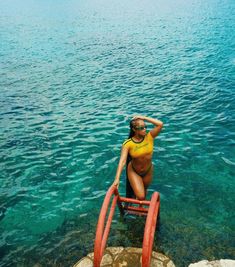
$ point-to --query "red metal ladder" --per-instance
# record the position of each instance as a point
(102, 230)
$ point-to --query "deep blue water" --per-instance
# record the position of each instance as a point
(72, 75)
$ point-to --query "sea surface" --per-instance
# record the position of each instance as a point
(72, 75)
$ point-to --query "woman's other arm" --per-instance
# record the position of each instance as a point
(121, 165)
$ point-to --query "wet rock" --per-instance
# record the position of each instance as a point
(218, 263)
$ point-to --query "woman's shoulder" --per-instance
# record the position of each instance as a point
(149, 135)
(126, 142)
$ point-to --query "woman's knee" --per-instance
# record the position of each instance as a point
(140, 195)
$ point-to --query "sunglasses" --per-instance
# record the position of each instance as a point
(140, 128)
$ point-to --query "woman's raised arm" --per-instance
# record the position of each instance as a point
(158, 124)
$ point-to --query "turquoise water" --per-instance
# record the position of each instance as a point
(72, 75)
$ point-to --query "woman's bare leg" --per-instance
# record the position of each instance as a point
(147, 179)
(136, 182)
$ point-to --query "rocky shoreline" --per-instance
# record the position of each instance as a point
(217, 263)
(132, 257)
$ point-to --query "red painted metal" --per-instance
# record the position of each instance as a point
(108, 224)
(149, 230)
(136, 209)
(140, 210)
(135, 201)
(102, 230)
(101, 234)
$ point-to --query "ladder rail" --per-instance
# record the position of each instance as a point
(103, 229)
(101, 233)
(108, 225)
(149, 231)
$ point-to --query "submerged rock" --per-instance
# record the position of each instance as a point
(218, 263)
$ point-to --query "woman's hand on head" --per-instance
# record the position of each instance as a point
(138, 117)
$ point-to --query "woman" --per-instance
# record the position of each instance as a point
(139, 147)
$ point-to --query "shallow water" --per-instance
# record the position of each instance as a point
(73, 73)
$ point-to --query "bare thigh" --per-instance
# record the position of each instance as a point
(139, 184)
(147, 179)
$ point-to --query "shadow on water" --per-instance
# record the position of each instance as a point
(62, 247)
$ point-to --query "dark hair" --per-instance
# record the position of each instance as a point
(132, 125)
(129, 190)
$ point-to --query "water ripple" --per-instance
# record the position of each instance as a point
(71, 80)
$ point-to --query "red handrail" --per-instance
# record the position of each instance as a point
(101, 233)
(102, 230)
(149, 230)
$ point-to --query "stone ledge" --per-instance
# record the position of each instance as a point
(218, 263)
(120, 256)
